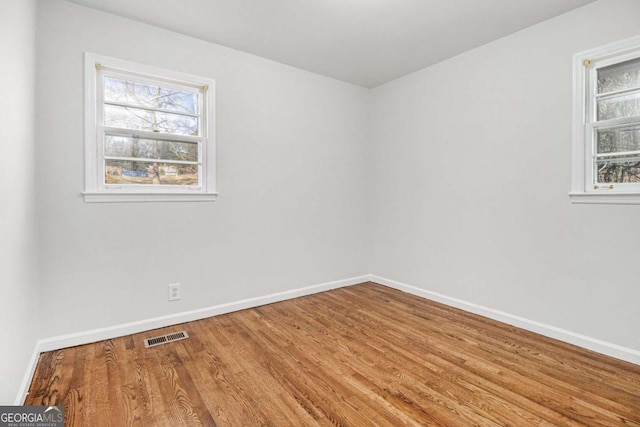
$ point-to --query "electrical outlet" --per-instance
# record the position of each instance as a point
(174, 292)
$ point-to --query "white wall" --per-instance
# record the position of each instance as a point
(18, 277)
(291, 180)
(471, 167)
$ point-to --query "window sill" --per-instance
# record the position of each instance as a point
(606, 199)
(148, 197)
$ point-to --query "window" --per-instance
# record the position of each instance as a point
(606, 140)
(149, 133)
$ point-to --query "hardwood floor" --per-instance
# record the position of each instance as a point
(359, 356)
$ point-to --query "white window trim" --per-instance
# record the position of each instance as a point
(582, 190)
(97, 191)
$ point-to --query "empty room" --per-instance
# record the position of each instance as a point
(313, 213)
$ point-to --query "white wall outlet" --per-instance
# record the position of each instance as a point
(174, 292)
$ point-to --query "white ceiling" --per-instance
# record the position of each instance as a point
(365, 42)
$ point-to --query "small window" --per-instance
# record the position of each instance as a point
(149, 133)
(606, 146)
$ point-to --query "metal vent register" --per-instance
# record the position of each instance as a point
(165, 339)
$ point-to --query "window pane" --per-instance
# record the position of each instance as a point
(124, 146)
(618, 171)
(136, 118)
(145, 173)
(625, 75)
(147, 95)
(618, 107)
(617, 140)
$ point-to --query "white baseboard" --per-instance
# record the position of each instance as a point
(594, 344)
(26, 380)
(86, 337)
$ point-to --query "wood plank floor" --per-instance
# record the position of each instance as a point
(364, 355)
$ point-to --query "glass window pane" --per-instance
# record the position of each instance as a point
(625, 75)
(145, 173)
(616, 140)
(136, 118)
(618, 107)
(611, 171)
(125, 146)
(147, 95)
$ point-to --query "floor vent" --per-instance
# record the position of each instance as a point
(165, 339)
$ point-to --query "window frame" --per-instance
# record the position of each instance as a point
(584, 189)
(96, 190)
